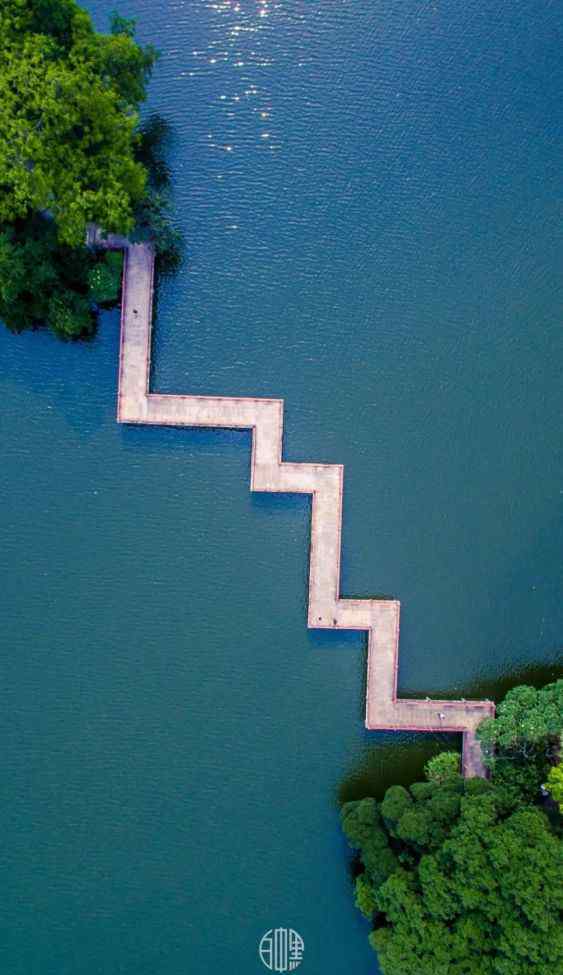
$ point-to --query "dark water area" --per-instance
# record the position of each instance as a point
(371, 198)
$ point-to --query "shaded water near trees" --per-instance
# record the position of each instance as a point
(370, 194)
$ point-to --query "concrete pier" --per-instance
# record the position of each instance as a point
(379, 618)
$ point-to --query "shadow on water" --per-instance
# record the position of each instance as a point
(202, 441)
(495, 687)
(392, 759)
(263, 501)
(336, 639)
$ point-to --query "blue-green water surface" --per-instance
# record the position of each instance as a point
(370, 193)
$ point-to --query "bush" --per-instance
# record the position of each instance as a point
(104, 278)
(442, 767)
(555, 785)
(520, 743)
(70, 315)
(33, 268)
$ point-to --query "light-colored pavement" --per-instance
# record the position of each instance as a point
(380, 618)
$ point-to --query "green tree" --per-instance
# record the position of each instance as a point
(521, 741)
(420, 817)
(473, 882)
(442, 767)
(72, 152)
(555, 785)
(104, 279)
(526, 720)
(487, 901)
(365, 895)
(68, 118)
(70, 315)
(45, 283)
(363, 827)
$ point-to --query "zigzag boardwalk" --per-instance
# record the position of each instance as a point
(380, 618)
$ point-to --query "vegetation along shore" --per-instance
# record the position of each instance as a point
(73, 152)
(465, 876)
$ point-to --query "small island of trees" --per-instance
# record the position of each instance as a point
(465, 877)
(73, 153)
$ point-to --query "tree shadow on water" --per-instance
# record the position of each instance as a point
(191, 441)
(392, 758)
(494, 687)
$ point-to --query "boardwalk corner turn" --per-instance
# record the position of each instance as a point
(327, 609)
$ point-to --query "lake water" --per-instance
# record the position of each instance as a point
(371, 198)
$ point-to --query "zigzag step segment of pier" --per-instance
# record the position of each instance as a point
(264, 417)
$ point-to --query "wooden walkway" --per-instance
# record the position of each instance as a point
(380, 618)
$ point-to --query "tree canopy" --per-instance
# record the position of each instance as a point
(554, 785)
(442, 767)
(72, 152)
(525, 720)
(486, 901)
(465, 877)
(520, 743)
(68, 117)
(45, 282)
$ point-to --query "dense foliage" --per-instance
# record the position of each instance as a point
(465, 877)
(522, 741)
(72, 153)
(68, 117)
(554, 785)
(45, 282)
